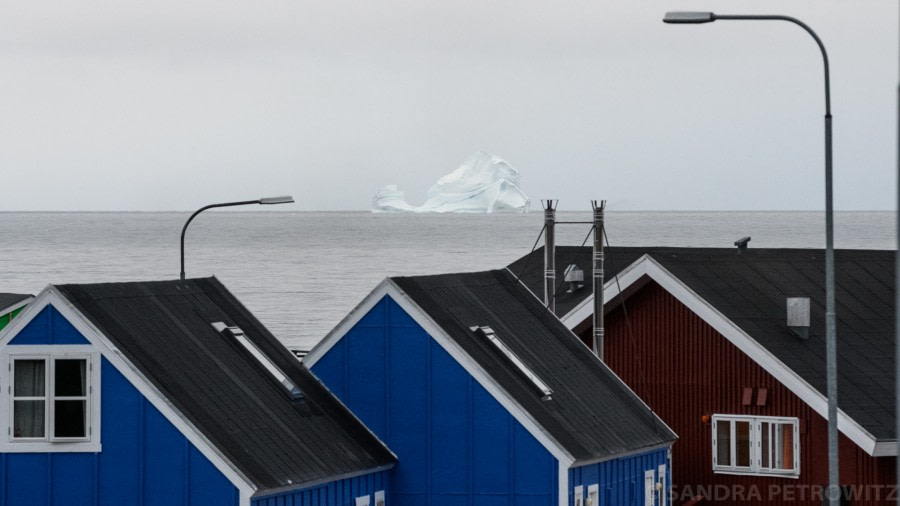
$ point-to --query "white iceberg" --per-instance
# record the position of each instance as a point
(484, 183)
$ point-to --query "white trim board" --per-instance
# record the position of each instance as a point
(17, 305)
(51, 296)
(389, 288)
(647, 266)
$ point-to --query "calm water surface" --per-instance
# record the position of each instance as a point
(300, 273)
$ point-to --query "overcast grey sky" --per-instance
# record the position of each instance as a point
(170, 105)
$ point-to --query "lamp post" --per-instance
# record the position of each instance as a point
(830, 327)
(263, 201)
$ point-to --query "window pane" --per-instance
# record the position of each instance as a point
(742, 444)
(723, 442)
(70, 378)
(784, 450)
(28, 419)
(69, 419)
(765, 451)
(29, 378)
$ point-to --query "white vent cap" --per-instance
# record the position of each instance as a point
(798, 315)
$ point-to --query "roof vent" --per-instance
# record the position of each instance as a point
(742, 243)
(488, 333)
(798, 316)
(278, 374)
(574, 276)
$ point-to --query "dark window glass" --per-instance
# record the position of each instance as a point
(723, 442)
(70, 378)
(69, 419)
(742, 444)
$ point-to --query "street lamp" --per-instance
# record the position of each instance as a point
(263, 201)
(830, 328)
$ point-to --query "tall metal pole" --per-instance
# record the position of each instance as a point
(598, 277)
(897, 292)
(830, 319)
(550, 254)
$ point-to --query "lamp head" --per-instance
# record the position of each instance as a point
(690, 18)
(287, 199)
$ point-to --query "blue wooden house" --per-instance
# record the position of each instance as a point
(488, 400)
(170, 393)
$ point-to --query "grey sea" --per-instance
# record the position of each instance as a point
(301, 272)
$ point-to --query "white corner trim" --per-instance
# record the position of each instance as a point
(388, 288)
(648, 266)
(564, 484)
(51, 296)
(243, 497)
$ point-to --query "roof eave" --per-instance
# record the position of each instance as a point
(630, 453)
(321, 481)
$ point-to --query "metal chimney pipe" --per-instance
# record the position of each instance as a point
(549, 254)
(598, 277)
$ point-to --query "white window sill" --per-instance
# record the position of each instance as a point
(737, 472)
(48, 447)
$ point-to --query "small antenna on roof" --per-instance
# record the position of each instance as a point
(742, 243)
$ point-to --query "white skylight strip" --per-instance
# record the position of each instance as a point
(508, 353)
(264, 360)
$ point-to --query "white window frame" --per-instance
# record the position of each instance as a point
(49, 443)
(379, 498)
(363, 500)
(755, 468)
(578, 496)
(649, 487)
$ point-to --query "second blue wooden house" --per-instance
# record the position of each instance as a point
(487, 399)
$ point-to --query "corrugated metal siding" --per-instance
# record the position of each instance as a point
(456, 445)
(620, 481)
(337, 493)
(684, 369)
(145, 461)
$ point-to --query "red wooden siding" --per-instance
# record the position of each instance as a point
(684, 370)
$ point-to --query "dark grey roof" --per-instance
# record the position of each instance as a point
(592, 414)
(751, 288)
(8, 300)
(164, 328)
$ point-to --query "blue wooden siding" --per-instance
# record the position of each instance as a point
(456, 445)
(144, 460)
(337, 493)
(621, 481)
(49, 327)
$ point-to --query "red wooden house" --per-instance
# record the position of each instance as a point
(702, 335)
